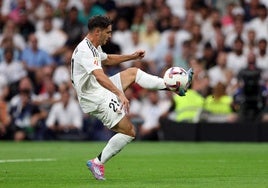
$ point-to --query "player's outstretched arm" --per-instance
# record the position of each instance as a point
(114, 59)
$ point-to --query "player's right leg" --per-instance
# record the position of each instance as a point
(115, 120)
(125, 127)
(126, 133)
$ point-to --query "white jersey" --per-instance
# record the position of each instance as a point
(85, 59)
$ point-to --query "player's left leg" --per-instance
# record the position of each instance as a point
(148, 81)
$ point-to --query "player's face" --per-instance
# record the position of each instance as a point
(106, 34)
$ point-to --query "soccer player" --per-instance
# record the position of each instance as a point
(102, 96)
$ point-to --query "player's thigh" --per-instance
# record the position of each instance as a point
(109, 111)
(128, 77)
(125, 126)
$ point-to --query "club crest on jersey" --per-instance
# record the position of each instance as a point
(96, 61)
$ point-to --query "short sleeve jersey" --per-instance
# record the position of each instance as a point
(85, 59)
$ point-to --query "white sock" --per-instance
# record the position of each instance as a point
(114, 146)
(149, 81)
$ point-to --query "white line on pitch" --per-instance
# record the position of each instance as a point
(26, 160)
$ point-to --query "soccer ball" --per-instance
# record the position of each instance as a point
(176, 78)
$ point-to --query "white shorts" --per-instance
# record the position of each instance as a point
(109, 111)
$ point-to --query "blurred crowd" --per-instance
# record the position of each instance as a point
(225, 42)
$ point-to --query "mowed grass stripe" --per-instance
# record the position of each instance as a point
(140, 164)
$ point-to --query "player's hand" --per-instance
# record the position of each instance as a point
(124, 103)
(139, 54)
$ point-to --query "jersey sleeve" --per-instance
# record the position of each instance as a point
(90, 62)
(103, 55)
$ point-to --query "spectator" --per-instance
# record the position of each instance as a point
(178, 8)
(150, 112)
(207, 25)
(12, 70)
(122, 33)
(250, 99)
(218, 106)
(127, 3)
(262, 55)
(138, 22)
(11, 30)
(251, 8)
(168, 63)
(112, 48)
(209, 56)
(181, 34)
(200, 82)
(135, 105)
(48, 97)
(73, 28)
(65, 117)
(25, 26)
(41, 77)
(238, 14)
(150, 35)
(151, 10)
(250, 42)
(186, 109)
(6, 43)
(19, 15)
(36, 11)
(220, 73)
(90, 8)
(110, 7)
(169, 46)
(26, 117)
(197, 40)
(259, 24)
(49, 12)
(24, 84)
(34, 58)
(135, 44)
(237, 31)
(50, 39)
(3, 17)
(190, 20)
(182, 59)
(236, 59)
(163, 17)
(17, 11)
(61, 74)
(61, 10)
(5, 118)
(227, 17)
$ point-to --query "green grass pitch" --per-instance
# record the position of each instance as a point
(139, 165)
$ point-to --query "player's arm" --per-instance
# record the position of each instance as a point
(114, 59)
(104, 81)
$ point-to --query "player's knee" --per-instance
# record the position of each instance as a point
(132, 132)
(132, 71)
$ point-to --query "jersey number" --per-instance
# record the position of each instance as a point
(114, 105)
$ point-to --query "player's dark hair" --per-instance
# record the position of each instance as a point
(98, 22)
